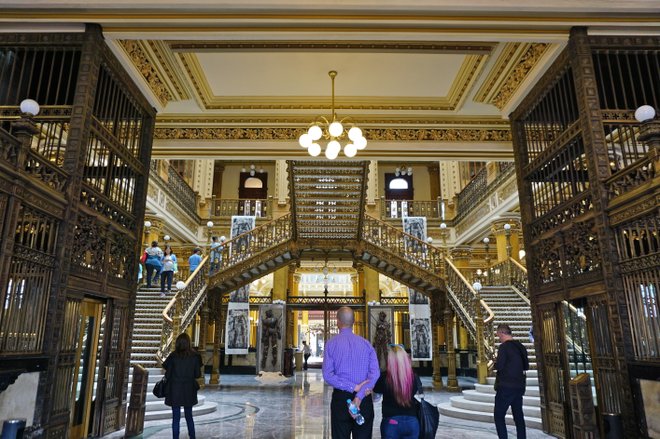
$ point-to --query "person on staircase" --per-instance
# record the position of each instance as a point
(169, 263)
(194, 260)
(512, 362)
(183, 367)
(153, 264)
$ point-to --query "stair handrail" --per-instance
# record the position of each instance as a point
(477, 319)
(179, 313)
(406, 246)
(255, 241)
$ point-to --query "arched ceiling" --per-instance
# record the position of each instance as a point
(431, 80)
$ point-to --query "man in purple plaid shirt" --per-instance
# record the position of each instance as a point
(350, 366)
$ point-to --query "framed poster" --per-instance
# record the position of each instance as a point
(237, 329)
(420, 338)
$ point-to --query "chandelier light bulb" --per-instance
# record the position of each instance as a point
(332, 150)
(147, 224)
(486, 240)
(354, 133)
(350, 150)
(397, 172)
(31, 107)
(314, 149)
(335, 129)
(409, 170)
(360, 143)
(429, 240)
(243, 169)
(305, 140)
(443, 225)
(507, 226)
(252, 172)
(180, 285)
(315, 132)
(209, 224)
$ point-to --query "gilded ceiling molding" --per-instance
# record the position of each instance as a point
(168, 63)
(378, 134)
(505, 62)
(188, 120)
(527, 62)
(397, 46)
(145, 66)
(467, 75)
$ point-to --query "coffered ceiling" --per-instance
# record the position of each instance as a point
(430, 81)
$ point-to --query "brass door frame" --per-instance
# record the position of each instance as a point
(88, 309)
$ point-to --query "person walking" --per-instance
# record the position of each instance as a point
(168, 262)
(307, 352)
(194, 260)
(153, 264)
(511, 364)
(398, 387)
(351, 367)
(182, 370)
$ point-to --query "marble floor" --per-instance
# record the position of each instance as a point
(273, 406)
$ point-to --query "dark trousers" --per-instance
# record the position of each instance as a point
(166, 276)
(505, 398)
(343, 424)
(152, 270)
(176, 419)
(306, 358)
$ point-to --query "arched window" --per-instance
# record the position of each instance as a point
(398, 183)
(253, 183)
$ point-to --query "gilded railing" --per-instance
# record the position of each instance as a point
(258, 240)
(478, 319)
(390, 209)
(403, 245)
(629, 178)
(479, 189)
(511, 273)
(180, 311)
(177, 190)
(226, 207)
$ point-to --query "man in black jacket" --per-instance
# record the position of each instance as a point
(511, 365)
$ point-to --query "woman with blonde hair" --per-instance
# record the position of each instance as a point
(398, 386)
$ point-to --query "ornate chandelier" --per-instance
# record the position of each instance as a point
(333, 130)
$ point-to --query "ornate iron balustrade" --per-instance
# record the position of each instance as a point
(180, 311)
(393, 300)
(403, 245)
(176, 189)
(258, 240)
(323, 300)
(253, 300)
(632, 177)
(478, 190)
(390, 209)
(226, 207)
(510, 273)
(477, 319)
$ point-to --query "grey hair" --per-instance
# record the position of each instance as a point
(345, 316)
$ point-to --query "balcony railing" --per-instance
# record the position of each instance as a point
(479, 189)
(176, 189)
(390, 209)
(226, 207)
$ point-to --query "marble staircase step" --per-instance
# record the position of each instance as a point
(486, 407)
(488, 388)
(446, 409)
(474, 395)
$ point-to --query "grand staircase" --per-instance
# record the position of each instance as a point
(477, 405)
(147, 328)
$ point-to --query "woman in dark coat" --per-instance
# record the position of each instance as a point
(182, 370)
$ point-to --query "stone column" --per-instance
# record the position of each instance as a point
(508, 243)
(215, 369)
(203, 322)
(452, 382)
(436, 318)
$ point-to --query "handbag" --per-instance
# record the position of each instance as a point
(427, 415)
(160, 388)
(429, 418)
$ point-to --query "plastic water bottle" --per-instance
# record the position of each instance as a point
(359, 419)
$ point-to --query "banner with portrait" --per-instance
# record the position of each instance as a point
(419, 308)
(237, 329)
(270, 338)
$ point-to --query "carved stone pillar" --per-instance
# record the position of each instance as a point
(452, 382)
(215, 369)
(436, 318)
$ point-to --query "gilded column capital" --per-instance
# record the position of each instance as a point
(461, 253)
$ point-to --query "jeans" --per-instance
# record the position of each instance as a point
(152, 270)
(166, 276)
(504, 398)
(399, 427)
(176, 419)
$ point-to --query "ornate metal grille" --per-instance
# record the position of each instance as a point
(25, 300)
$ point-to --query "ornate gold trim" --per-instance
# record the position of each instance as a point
(138, 55)
(167, 60)
(465, 78)
(291, 134)
(523, 66)
(504, 62)
(398, 46)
